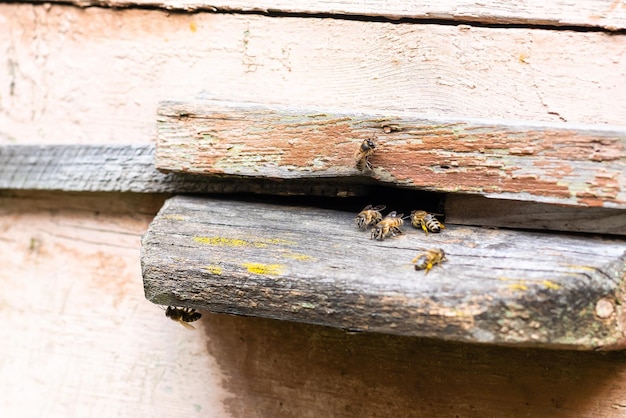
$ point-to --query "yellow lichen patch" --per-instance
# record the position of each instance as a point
(228, 242)
(279, 241)
(269, 269)
(518, 287)
(193, 26)
(213, 269)
(551, 285)
(175, 217)
(298, 256)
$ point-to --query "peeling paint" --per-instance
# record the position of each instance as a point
(582, 166)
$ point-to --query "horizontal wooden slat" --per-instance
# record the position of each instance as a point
(140, 57)
(569, 164)
(130, 168)
(588, 13)
(481, 211)
(314, 266)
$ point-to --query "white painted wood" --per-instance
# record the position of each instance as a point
(607, 14)
(78, 337)
(56, 92)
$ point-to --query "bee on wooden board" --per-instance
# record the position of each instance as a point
(369, 216)
(183, 315)
(429, 258)
(426, 221)
(389, 225)
(367, 148)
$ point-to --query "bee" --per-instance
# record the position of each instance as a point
(429, 258)
(426, 221)
(369, 216)
(361, 156)
(183, 316)
(389, 225)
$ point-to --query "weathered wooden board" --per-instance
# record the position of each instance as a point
(315, 266)
(140, 57)
(477, 210)
(578, 165)
(606, 14)
(130, 168)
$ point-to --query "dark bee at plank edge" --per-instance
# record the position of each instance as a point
(183, 315)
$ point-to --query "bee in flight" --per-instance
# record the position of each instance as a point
(426, 221)
(183, 316)
(389, 225)
(369, 216)
(429, 258)
(361, 156)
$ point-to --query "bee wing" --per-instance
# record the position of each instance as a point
(368, 207)
(185, 324)
(391, 214)
(379, 207)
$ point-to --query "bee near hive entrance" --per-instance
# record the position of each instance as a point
(183, 315)
(361, 156)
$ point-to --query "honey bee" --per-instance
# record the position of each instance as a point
(183, 316)
(426, 221)
(389, 225)
(429, 258)
(369, 216)
(361, 156)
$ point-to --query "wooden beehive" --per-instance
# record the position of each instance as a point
(507, 120)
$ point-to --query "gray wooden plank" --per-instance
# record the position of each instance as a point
(131, 168)
(582, 165)
(481, 211)
(314, 266)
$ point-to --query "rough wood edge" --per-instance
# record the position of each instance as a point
(605, 14)
(551, 163)
(481, 211)
(214, 255)
(131, 168)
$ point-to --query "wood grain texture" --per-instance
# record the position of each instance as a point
(130, 168)
(606, 14)
(140, 57)
(314, 266)
(481, 211)
(569, 164)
